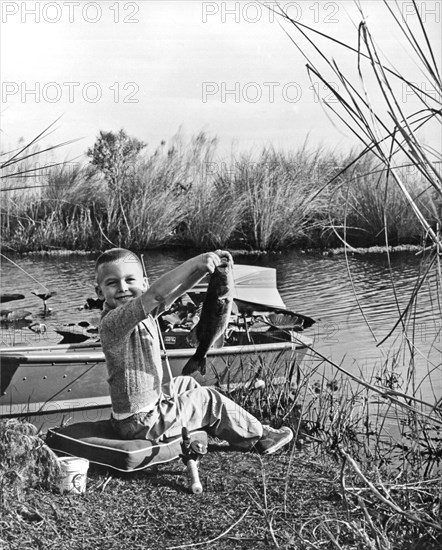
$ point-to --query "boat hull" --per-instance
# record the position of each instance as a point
(52, 386)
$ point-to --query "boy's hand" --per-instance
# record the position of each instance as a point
(225, 256)
(214, 259)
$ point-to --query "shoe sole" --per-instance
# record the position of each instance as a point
(281, 443)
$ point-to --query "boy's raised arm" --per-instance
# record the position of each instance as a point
(177, 282)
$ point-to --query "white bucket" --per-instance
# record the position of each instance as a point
(73, 474)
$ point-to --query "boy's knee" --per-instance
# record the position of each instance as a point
(186, 383)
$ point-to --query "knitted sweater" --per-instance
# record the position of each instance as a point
(131, 347)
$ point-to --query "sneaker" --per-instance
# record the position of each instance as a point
(272, 440)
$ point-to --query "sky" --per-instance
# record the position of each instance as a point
(158, 67)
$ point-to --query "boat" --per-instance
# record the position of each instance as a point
(53, 384)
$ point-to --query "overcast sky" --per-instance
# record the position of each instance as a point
(152, 67)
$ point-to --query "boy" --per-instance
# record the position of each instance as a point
(142, 406)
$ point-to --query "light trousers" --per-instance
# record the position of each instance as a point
(184, 403)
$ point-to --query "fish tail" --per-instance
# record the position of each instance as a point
(194, 364)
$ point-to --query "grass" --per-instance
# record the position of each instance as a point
(281, 205)
(181, 194)
(155, 510)
(369, 211)
(298, 498)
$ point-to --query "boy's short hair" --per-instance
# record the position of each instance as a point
(117, 255)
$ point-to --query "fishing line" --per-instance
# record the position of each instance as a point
(162, 345)
(190, 460)
(25, 272)
(41, 409)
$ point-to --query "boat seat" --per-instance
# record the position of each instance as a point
(99, 443)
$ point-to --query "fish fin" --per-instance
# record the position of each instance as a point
(219, 342)
(194, 364)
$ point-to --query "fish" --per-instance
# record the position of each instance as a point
(215, 315)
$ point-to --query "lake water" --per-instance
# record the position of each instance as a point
(322, 287)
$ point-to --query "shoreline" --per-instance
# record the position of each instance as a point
(374, 250)
(408, 248)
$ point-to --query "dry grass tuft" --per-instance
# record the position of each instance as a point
(26, 461)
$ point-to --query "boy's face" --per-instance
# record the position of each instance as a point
(120, 282)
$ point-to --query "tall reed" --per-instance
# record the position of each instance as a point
(181, 193)
(210, 209)
(279, 191)
(366, 209)
(368, 104)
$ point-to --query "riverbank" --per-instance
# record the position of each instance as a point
(412, 248)
(374, 250)
(290, 500)
(154, 510)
